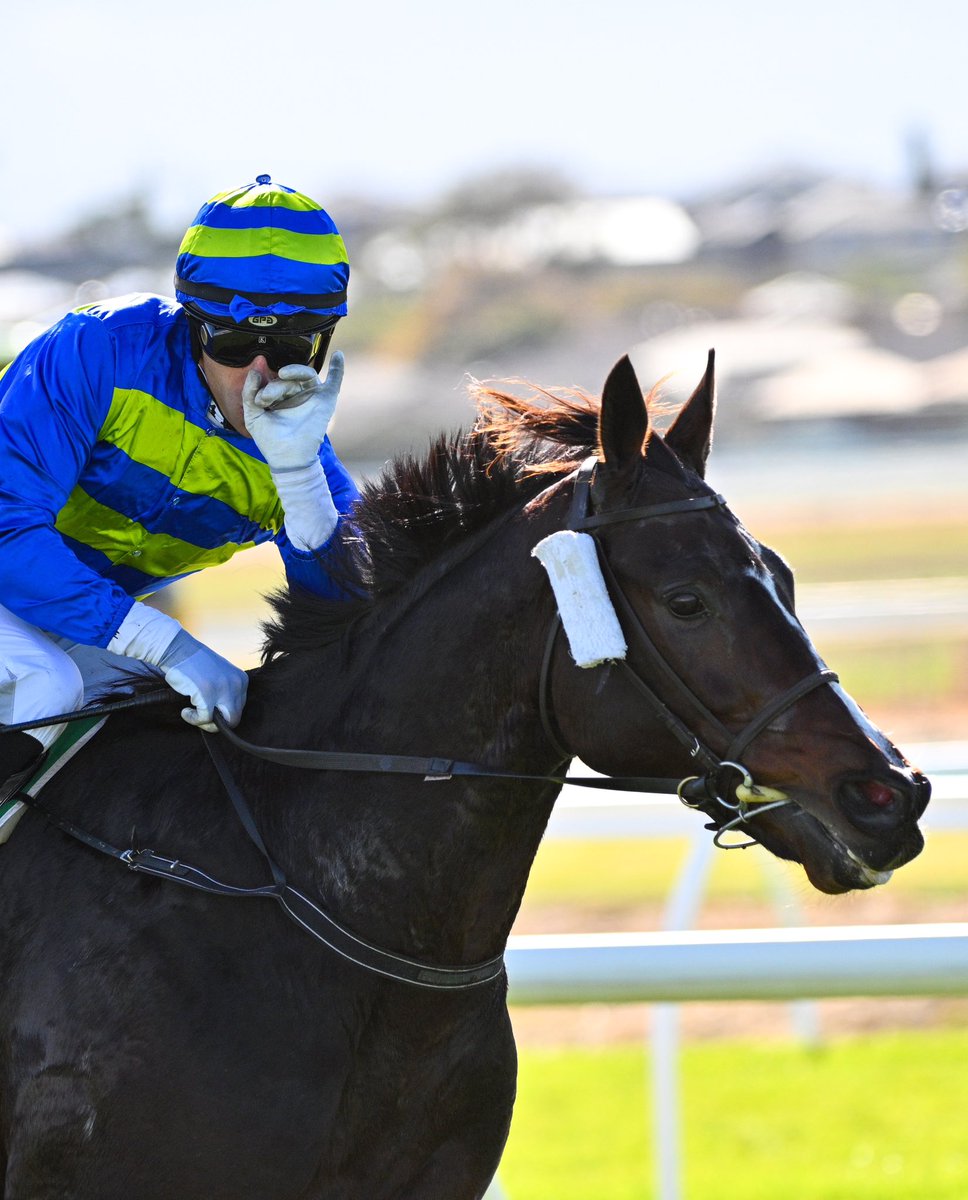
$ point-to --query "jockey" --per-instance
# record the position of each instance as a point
(143, 439)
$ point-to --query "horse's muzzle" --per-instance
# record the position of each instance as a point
(872, 831)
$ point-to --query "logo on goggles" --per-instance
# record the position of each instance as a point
(263, 321)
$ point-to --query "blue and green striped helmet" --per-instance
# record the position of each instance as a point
(263, 254)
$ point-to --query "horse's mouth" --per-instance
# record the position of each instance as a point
(830, 864)
(843, 870)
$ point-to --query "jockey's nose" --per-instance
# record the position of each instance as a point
(261, 364)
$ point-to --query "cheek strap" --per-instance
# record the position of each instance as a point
(591, 626)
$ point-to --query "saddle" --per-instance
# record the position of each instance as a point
(76, 735)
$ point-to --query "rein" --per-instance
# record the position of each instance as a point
(695, 791)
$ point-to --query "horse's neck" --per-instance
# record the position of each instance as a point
(438, 868)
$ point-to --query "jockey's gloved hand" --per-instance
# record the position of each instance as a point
(288, 418)
(208, 680)
(190, 668)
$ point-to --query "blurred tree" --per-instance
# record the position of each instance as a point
(490, 198)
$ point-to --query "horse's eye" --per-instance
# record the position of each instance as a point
(685, 604)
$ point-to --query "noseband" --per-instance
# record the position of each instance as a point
(710, 790)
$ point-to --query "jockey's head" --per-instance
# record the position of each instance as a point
(262, 270)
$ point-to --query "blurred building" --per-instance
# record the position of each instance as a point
(821, 295)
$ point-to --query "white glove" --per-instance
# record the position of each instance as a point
(288, 417)
(189, 667)
(208, 680)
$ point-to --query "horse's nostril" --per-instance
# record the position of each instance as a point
(878, 794)
(875, 806)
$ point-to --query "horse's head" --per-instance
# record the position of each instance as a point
(719, 669)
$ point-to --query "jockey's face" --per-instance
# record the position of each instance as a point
(225, 384)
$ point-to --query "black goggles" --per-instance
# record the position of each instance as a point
(239, 347)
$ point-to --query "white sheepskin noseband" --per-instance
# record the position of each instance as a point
(571, 560)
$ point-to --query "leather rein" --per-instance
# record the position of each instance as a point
(695, 791)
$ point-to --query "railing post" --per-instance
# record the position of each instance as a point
(681, 912)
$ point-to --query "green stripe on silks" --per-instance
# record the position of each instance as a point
(127, 543)
(75, 735)
(151, 433)
(323, 249)
(160, 438)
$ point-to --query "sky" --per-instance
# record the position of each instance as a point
(179, 99)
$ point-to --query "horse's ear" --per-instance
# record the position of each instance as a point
(691, 433)
(624, 419)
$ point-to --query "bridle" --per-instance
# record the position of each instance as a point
(710, 790)
(696, 791)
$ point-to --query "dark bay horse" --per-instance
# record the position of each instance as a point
(161, 1042)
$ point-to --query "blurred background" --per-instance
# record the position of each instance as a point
(530, 190)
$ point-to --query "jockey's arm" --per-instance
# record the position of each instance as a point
(55, 397)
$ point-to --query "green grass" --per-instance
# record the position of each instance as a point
(825, 552)
(879, 1116)
(604, 872)
(926, 668)
(894, 672)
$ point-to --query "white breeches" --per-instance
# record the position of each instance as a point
(41, 675)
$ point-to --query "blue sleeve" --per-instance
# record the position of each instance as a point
(54, 398)
(307, 568)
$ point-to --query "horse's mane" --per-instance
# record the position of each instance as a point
(419, 509)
